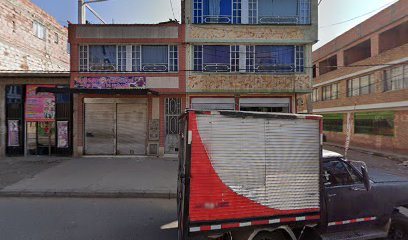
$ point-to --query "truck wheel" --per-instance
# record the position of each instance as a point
(399, 227)
(265, 235)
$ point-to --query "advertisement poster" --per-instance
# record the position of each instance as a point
(40, 107)
(13, 133)
(62, 131)
(110, 83)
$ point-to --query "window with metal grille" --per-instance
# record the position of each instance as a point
(253, 11)
(198, 11)
(304, 11)
(173, 58)
(136, 58)
(275, 59)
(121, 58)
(250, 58)
(234, 58)
(198, 58)
(83, 58)
(173, 111)
(236, 11)
(300, 59)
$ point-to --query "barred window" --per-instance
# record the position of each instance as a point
(83, 58)
(121, 58)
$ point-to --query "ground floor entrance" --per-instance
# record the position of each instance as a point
(115, 126)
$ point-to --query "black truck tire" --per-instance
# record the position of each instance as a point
(399, 227)
(265, 235)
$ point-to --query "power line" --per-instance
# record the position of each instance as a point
(172, 10)
(351, 19)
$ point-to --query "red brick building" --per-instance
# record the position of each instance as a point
(129, 79)
(364, 72)
(33, 51)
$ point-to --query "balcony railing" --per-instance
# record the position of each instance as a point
(279, 20)
(216, 19)
(216, 67)
(275, 68)
(102, 67)
(154, 68)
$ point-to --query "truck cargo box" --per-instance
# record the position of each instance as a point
(240, 169)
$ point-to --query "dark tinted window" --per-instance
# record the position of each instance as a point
(338, 173)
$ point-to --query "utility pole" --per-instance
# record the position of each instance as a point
(82, 5)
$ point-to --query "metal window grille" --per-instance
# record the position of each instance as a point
(173, 58)
(121, 51)
(304, 11)
(198, 58)
(234, 52)
(83, 58)
(198, 11)
(236, 11)
(173, 111)
(136, 58)
(253, 11)
(299, 59)
(250, 58)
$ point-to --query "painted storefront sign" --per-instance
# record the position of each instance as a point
(110, 83)
(39, 107)
(13, 133)
(62, 131)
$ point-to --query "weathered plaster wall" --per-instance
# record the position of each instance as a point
(248, 83)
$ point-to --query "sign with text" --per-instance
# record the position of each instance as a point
(110, 82)
(39, 107)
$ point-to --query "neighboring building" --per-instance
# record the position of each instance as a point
(129, 82)
(248, 55)
(33, 51)
(372, 86)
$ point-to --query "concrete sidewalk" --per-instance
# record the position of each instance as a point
(102, 177)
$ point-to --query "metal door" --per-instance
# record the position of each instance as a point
(173, 111)
(100, 128)
(131, 128)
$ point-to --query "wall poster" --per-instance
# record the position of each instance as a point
(13, 133)
(62, 133)
(40, 107)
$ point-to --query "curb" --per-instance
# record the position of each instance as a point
(47, 194)
(398, 158)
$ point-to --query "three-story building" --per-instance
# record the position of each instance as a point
(250, 55)
(129, 85)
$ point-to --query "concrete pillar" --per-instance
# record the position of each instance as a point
(3, 127)
(340, 58)
(375, 45)
(75, 127)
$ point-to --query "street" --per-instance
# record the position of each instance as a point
(74, 218)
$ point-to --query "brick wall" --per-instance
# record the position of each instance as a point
(20, 49)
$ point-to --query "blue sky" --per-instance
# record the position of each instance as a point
(153, 11)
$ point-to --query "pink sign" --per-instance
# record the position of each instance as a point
(110, 82)
(39, 107)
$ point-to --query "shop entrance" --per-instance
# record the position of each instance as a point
(115, 126)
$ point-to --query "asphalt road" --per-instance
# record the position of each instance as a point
(88, 219)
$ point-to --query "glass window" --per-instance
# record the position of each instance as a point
(102, 58)
(39, 30)
(396, 78)
(155, 58)
(333, 122)
(277, 11)
(217, 11)
(122, 58)
(336, 174)
(216, 58)
(360, 86)
(274, 58)
(375, 123)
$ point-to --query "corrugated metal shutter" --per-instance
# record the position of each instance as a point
(274, 162)
(100, 128)
(213, 103)
(131, 128)
(264, 102)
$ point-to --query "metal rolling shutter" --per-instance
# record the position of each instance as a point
(100, 128)
(131, 128)
(213, 103)
(264, 102)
